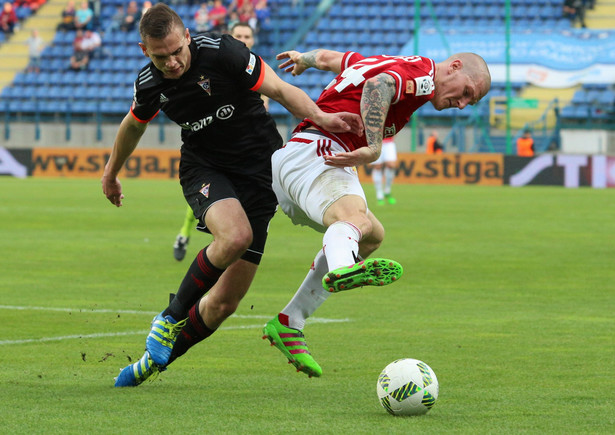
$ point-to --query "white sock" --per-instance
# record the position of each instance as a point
(309, 297)
(341, 244)
(389, 175)
(377, 179)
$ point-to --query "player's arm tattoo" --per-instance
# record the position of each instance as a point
(378, 93)
(308, 59)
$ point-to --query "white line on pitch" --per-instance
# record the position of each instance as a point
(119, 334)
(150, 313)
(102, 334)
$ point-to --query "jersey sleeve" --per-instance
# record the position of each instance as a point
(145, 106)
(350, 58)
(246, 67)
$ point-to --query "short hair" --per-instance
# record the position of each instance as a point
(241, 24)
(158, 22)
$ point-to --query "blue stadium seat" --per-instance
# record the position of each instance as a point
(22, 106)
(580, 97)
(606, 98)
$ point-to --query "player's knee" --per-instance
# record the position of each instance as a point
(372, 241)
(364, 225)
(238, 241)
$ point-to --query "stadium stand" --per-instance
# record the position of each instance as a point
(368, 26)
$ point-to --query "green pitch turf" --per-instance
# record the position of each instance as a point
(508, 294)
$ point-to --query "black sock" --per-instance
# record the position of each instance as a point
(193, 332)
(201, 276)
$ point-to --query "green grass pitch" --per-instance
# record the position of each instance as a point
(508, 294)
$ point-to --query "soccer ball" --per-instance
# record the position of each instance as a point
(407, 387)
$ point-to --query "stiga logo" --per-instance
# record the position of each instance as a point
(481, 169)
(80, 162)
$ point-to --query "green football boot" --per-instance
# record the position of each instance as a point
(291, 343)
(390, 199)
(373, 271)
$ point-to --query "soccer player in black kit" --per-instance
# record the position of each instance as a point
(207, 85)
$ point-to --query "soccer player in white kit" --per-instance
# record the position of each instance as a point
(383, 172)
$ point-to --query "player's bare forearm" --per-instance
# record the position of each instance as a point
(325, 60)
(301, 106)
(126, 140)
(378, 93)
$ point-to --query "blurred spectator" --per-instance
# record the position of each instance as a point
(248, 15)
(525, 144)
(83, 16)
(263, 14)
(92, 44)
(232, 19)
(33, 5)
(132, 17)
(217, 15)
(433, 146)
(574, 10)
(36, 45)
(116, 20)
(8, 19)
(201, 18)
(146, 5)
(80, 58)
(236, 5)
(68, 17)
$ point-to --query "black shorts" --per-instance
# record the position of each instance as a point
(203, 186)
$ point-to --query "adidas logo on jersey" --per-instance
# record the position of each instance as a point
(163, 98)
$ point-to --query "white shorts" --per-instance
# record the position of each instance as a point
(388, 153)
(304, 185)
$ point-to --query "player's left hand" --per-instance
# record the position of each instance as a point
(357, 157)
(341, 122)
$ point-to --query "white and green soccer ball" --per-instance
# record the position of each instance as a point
(407, 387)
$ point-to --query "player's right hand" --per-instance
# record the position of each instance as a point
(340, 122)
(293, 65)
(112, 188)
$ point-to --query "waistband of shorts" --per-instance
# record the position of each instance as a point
(315, 131)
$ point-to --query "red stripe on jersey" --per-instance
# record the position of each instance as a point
(398, 85)
(141, 120)
(261, 78)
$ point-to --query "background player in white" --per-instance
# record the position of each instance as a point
(316, 183)
(383, 171)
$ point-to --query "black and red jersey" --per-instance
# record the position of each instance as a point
(223, 120)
